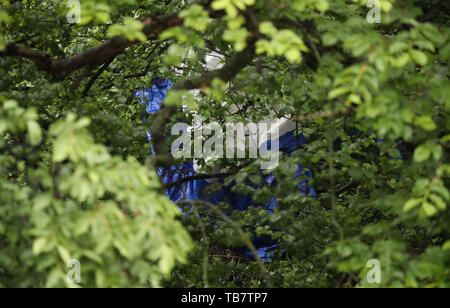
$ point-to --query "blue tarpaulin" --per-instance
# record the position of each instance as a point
(192, 190)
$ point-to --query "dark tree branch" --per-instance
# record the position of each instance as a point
(233, 66)
(61, 68)
(96, 76)
(197, 177)
(42, 61)
(80, 78)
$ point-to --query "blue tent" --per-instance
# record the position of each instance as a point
(192, 190)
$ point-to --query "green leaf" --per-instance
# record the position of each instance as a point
(432, 33)
(419, 57)
(42, 201)
(437, 152)
(39, 245)
(54, 278)
(293, 55)
(196, 17)
(401, 60)
(267, 27)
(439, 188)
(61, 150)
(426, 122)
(398, 46)
(64, 253)
(429, 209)
(167, 259)
(220, 4)
(131, 29)
(322, 5)
(438, 201)
(338, 92)
(385, 5)
(446, 246)
(422, 153)
(34, 132)
(330, 39)
(412, 203)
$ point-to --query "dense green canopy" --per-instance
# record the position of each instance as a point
(77, 181)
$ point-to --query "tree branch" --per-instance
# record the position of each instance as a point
(97, 75)
(61, 68)
(197, 177)
(233, 66)
(42, 61)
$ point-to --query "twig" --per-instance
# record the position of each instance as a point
(238, 229)
(197, 177)
(96, 76)
(80, 78)
(205, 249)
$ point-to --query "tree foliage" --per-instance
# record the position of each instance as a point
(77, 180)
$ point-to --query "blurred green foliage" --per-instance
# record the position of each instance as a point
(74, 183)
